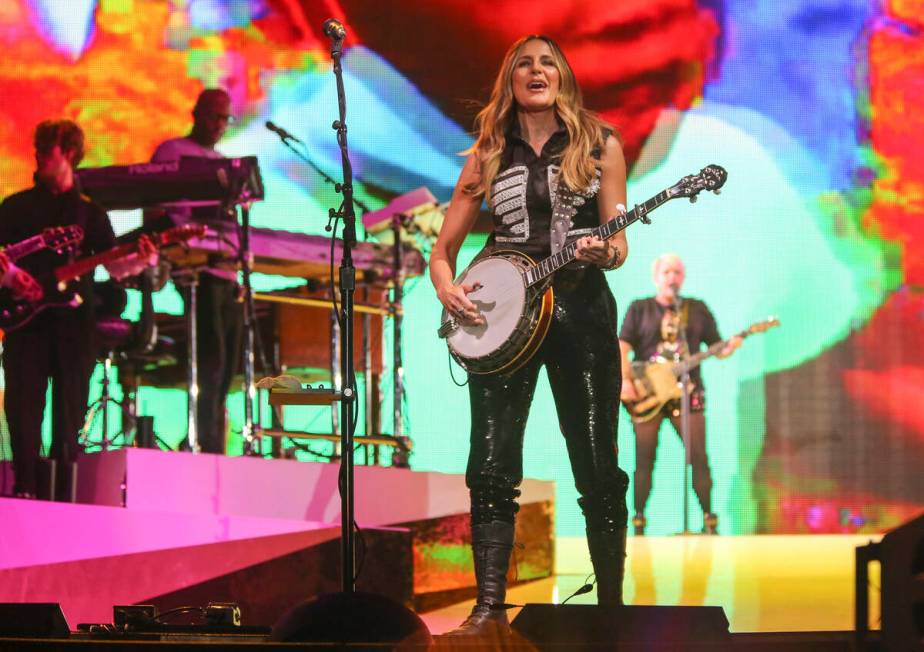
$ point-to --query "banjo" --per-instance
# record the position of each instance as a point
(514, 293)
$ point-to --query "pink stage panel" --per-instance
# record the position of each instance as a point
(87, 589)
(34, 532)
(151, 480)
(177, 525)
(89, 558)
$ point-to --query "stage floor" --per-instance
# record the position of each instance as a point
(765, 583)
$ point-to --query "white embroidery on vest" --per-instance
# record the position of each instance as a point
(508, 198)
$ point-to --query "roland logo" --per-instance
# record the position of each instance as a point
(154, 168)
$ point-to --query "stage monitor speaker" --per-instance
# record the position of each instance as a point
(589, 627)
(352, 619)
(901, 556)
(32, 620)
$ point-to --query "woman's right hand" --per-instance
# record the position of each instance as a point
(457, 304)
(24, 286)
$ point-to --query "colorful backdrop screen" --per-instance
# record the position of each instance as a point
(812, 106)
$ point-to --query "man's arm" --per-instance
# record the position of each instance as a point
(628, 334)
(711, 335)
(628, 392)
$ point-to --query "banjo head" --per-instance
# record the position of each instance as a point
(501, 300)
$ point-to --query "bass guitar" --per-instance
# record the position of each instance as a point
(514, 293)
(658, 381)
(57, 286)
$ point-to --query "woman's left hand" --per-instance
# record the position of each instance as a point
(592, 249)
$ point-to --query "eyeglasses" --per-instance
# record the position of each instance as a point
(219, 117)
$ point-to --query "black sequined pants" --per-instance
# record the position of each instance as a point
(581, 357)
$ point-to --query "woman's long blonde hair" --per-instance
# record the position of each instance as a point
(585, 128)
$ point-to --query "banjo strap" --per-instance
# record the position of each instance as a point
(563, 209)
(565, 205)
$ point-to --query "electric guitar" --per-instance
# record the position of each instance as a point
(57, 238)
(60, 239)
(658, 381)
(58, 285)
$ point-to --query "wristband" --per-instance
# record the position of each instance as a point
(617, 259)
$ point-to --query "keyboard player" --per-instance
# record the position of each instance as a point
(219, 313)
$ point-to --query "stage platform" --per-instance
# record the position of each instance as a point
(176, 528)
(173, 528)
(786, 583)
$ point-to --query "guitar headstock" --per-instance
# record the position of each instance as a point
(62, 238)
(712, 177)
(765, 325)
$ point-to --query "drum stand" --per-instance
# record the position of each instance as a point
(101, 407)
(401, 454)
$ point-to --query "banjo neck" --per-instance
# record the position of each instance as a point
(516, 319)
(545, 268)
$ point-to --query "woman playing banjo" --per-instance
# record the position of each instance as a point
(550, 171)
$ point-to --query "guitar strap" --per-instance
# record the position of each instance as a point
(565, 205)
(683, 321)
(564, 208)
(74, 206)
(566, 202)
(671, 324)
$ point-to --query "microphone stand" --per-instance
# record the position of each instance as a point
(321, 173)
(252, 433)
(347, 288)
(684, 414)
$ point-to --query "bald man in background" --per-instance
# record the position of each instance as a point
(219, 312)
(651, 328)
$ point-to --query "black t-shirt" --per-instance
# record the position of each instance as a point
(650, 329)
(26, 213)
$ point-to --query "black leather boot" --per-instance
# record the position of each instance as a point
(710, 523)
(608, 555)
(491, 546)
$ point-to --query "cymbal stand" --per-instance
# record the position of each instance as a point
(401, 453)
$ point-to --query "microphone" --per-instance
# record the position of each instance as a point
(675, 287)
(282, 133)
(334, 29)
